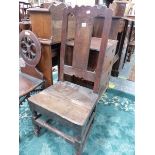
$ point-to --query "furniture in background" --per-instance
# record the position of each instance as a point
(47, 24)
(116, 32)
(24, 22)
(23, 14)
(71, 105)
(130, 37)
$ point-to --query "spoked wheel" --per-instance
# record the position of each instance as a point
(29, 47)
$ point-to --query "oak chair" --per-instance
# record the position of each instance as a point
(69, 104)
(30, 78)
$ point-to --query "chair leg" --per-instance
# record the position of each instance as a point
(84, 134)
(79, 148)
(37, 130)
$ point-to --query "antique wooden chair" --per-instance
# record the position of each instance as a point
(30, 78)
(67, 103)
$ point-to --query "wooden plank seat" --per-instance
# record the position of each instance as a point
(27, 84)
(67, 103)
(68, 100)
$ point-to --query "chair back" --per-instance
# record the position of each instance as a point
(84, 21)
(30, 53)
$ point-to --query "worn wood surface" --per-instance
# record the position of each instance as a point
(27, 83)
(68, 100)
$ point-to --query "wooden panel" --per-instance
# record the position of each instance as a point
(70, 101)
(45, 64)
(82, 44)
(109, 57)
(41, 24)
(104, 82)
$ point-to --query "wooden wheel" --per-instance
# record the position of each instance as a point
(29, 47)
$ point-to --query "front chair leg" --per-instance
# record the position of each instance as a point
(79, 148)
(37, 130)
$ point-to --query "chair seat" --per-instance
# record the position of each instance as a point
(27, 83)
(67, 100)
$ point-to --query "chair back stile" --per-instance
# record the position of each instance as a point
(84, 17)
